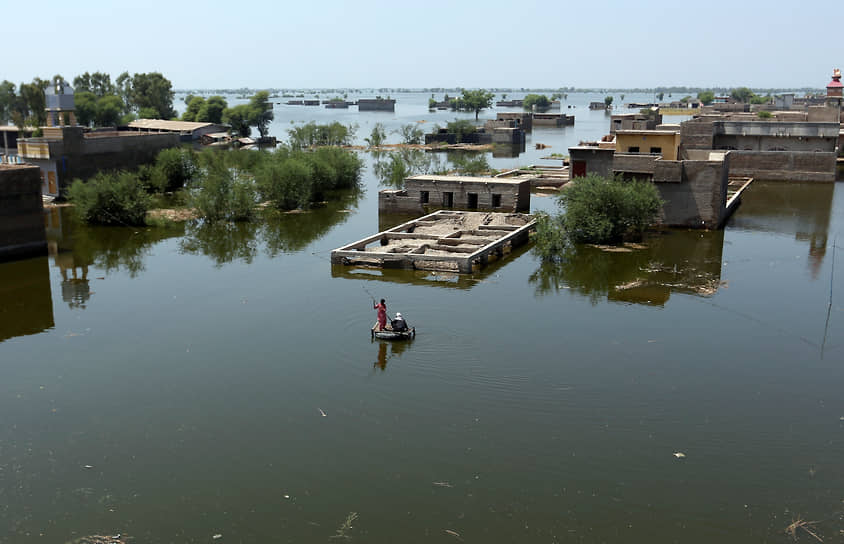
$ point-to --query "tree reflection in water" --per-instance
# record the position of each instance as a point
(672, 261)
(273, 232)
(75, 246)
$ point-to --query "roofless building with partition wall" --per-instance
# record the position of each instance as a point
(446, 240)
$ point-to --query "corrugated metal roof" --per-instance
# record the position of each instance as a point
(161, 124)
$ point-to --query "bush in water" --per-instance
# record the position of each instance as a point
(598, 210)
(110, 198)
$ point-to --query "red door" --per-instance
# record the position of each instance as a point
(578, 169)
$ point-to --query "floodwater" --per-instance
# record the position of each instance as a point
(174, 385)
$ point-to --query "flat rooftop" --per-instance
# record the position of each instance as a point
(466, 179)
(161, 124)
(648, 132)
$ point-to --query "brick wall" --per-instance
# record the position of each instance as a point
(634, 163)
(784, 165)
(699, 198)
(696, 134)
(112, 153)
(21, 213)
(515, 197)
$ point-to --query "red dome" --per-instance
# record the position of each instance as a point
(834, 84)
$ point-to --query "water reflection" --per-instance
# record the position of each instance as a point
(436, 278)
(396, 349)
(686, 262)
(391, 167)
(74, 247)
(275, 233)
(799, 209)
(508, 150)
(26, 304)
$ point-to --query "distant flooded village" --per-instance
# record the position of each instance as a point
(381, 315)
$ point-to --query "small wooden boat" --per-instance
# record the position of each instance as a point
(389, 334)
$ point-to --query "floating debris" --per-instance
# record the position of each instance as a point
(217, 536)
(455, 534)
(442, 484)
(679, 455)
(346, 526)
(88, 466)
(323, 414)
(807, 526)
(101, 539)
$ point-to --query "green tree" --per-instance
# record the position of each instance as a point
(110, 198)
(377, 136)
(147, 113)
(475, 101)
(174, 168)
(98, 83)
(238, 118)
(109, 110)
(85, 103)
(706, 97)
(660, 96)
(7, 101)
(261, 112)
(194, 104)
(287, 183)
(123, 88)
(608, 101)
(313, 135)
(538, 102)
(461, 127)
(152, 92)
(411, 134)
(742, 94)
(33, 101)
(597, 210)
(600, 210)
(212, 110)
(223, 193)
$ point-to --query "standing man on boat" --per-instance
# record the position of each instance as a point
(382, 315)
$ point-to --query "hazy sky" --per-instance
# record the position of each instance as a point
(330, 43)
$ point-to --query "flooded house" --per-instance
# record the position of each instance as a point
(695, 191)
(22, 231)
(69, 152)
(635, 121)
(188, 131)
(424, 192)
(377, 104)
(454, 241)
(552, 120)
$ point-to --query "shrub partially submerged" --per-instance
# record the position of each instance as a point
(223, 192)
(110, 198)
(598, 210)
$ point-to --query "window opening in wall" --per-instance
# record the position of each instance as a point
(633, 149)
(656, 150)
(424, 196)
(496, 200)
(448, 200)
(473, 201)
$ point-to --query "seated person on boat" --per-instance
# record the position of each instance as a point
(399, 324)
